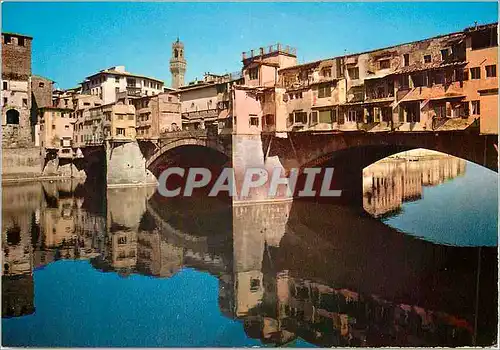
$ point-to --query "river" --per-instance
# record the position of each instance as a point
(90, 266)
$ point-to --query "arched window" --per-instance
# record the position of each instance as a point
(181, 53)
(176, 53)
(12, 116)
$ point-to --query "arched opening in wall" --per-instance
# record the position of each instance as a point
(12, 116)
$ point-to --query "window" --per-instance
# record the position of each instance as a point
(314, 118)
(418, 79)
(41, 84)
(440, 110)
(254, 120)
(53, 127)
(25, 102)
(66, 127)
(325, 117)
(120, 131)
(484, 39)
(427, 59)
(86, 103)
(119, 116)
(122, 240)
(130, 117)
(491, 71)
(169, 98)
(269, 119)
(254, 285)
(5, 100)
(475, 73)
(384, 64)
(326, 72)
(404, 81)
(475, 107)
(351, 115)
(353, 73)
(301, 117)
(406, 59)
(5, 85)
(324, 91)
(7, 39)
(20, 41)
(334, 115)
(253, 73)
(444, 54)
(439, 78)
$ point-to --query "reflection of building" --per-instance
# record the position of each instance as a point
(392, 181)
(157, 257)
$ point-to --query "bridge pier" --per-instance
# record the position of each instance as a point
(248, 152)
(126, 165)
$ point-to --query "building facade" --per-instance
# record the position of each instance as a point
(17, 127)
(156, 115)
(448, 82)
(208, 102)
(56, 127)
(114, 83)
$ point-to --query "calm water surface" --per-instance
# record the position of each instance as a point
(86, 266)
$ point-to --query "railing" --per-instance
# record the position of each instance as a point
(278, 48)
(184, 134)
(133, 91)
(207, 113)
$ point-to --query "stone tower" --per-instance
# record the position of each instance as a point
(177, 64)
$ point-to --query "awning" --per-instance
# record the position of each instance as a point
(378, 75)
(223, 114)
(445, 97)
(380, 100)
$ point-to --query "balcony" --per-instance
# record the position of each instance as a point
(204, 114)
(134, 91)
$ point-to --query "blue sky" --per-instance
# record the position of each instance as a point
(73, 40)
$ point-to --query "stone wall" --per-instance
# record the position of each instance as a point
(126, 165)
(21, 162)
(56, 167)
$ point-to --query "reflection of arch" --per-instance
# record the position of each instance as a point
(12, 116)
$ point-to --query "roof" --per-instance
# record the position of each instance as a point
(55, 109)
(126, 74)
(43, 78)
(17, 34)
(304, 65)
(426, 66)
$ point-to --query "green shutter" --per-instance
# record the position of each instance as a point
(325, 117)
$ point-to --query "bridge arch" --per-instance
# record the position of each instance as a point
(308, 150)
(168, 147)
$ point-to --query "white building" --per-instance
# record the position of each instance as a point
(115, 82)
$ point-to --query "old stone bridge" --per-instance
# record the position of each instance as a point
(142, 161)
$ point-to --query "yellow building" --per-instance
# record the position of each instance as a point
(56, 130)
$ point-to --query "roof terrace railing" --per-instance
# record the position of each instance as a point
(278, 48)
